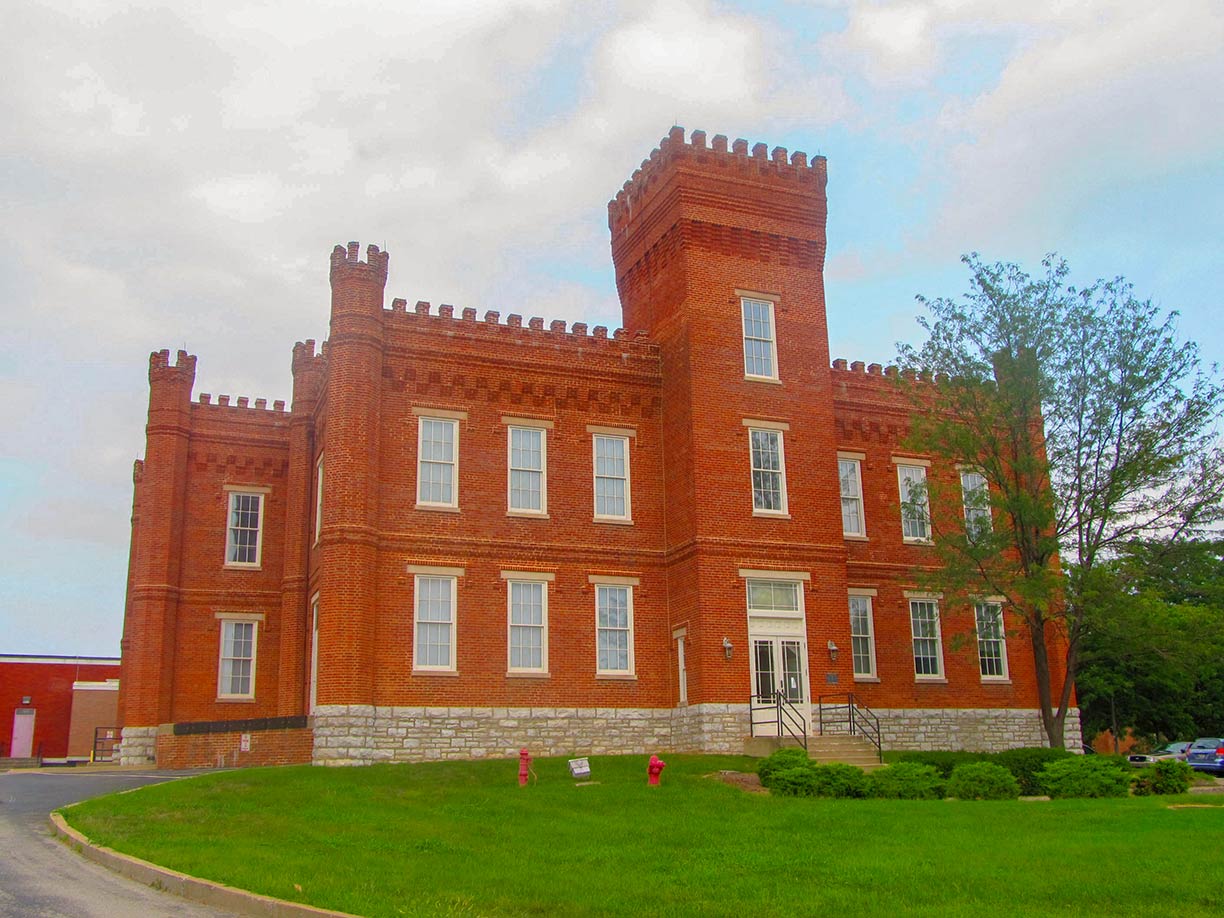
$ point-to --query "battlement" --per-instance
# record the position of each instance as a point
(348, 260)
(161, 370)
(242, 403)
(304, 355)
(761, 165)
(535, 329)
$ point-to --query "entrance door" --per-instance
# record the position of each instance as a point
(779, 664)
(23, 733)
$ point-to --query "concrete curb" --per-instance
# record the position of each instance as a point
(216, 895)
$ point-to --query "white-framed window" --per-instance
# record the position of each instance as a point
(928, 647)
(437, 462)
(774, 598)
(614, 629)
(760, 346)
(862, 636)
(236, 673)
(318, 500)
(527, 478)
(991, 642)
(915, 508)
(527, 608)
(768, 460)
(850, 477)
(434, 622)
(244, 528)
(611, 458)
(977, 504)
(314, 652)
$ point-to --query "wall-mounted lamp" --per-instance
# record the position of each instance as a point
(832, 652)
(728, 647)
(25, 699)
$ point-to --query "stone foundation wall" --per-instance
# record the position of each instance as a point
(364, 734)
(974, 730)
(138, 746)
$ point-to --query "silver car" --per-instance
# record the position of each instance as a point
(1176, 750)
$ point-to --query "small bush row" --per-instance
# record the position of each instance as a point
(789, 773)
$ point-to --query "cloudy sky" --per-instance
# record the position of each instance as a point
(174, 175)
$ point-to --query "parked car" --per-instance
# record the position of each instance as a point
(1176, 750)
(1207, 754)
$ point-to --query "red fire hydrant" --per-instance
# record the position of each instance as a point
(524, 766)
(654, 769)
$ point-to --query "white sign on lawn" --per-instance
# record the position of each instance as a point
(580, 768)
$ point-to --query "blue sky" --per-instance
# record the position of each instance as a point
(175, 175)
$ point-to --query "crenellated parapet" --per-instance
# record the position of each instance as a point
(536, 329)
(161, 370)
(760, 166)
(242, 403)
(346, 260)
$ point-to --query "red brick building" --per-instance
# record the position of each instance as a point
(50, 705)
(471, 534)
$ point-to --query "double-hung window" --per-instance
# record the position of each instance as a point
(992, 646)
(611, 457)
(862, 636)
(614, 626)
(244, 527)
(437, 461)
(850, 477)
(318, 500)
(977, 504)
(760, 346)
(928, 648)
(236, 673)
(527, 479)
(768, 461)
(527, 610)
(915, 508)
(434, 622)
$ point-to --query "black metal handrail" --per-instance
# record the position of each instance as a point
(849, 713)
(106, 741)
(781, 714)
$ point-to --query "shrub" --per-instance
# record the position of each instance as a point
(906, 781)
(1168, 777)
(838, 780)
(1026, 764)
(943, 761)
(983, 781)
(795, 781)
(1083, 776)
(790, 757)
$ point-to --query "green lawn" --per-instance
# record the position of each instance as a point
(464, 839)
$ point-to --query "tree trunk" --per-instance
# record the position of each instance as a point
(1051, 721)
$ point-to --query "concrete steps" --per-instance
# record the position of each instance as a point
(849, 750)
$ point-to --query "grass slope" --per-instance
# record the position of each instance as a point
(463, 839)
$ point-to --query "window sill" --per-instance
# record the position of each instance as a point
(617, 677)
(612, 520)
(435, 672)
(851, 537)
(930, 680)
(528, 514)
(772, 380)
(228, 699)
(236, 566)
(512, 674)
(910, 541)
(437, 508)
(866, 678)
(771, 514)
(995, 680)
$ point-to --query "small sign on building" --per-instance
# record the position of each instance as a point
(244, 742)
(580, 768)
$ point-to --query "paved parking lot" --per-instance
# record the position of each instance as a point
(41, 878)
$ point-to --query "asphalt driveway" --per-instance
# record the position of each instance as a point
(42, 878)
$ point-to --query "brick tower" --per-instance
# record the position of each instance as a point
(719, 254)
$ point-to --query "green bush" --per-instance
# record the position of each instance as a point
(1171, 776)
(790, 757)
(1026, 764)
(983, 781)
(1083, 776)
(837, 780)
(796, 781)
(906, 781)
(943, 761)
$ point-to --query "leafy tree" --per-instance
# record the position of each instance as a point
(1091, 424)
